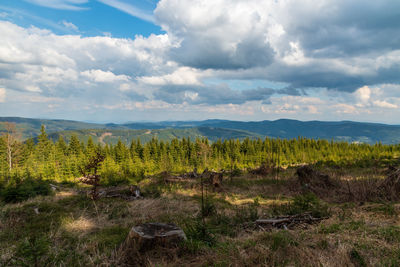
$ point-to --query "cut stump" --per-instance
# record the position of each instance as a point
(150, 235)
(308, 177)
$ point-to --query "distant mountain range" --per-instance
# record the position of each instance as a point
(212, 129)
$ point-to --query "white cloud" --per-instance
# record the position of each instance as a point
(33, 88)
(373, 97)
(363, 94)
(103, 76)
(295, 56)
(181, 76)
(345, 108)
(308, 46)
(303, 43)
(2, 95)
(129, 9)
(70, 25)
(60, 4)
(384, 104)
(313, 110)
(61, 65)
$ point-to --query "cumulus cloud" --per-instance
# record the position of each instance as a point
(210, 37)
(332, 57)
(384, 104)
(103, 76)
(180, 76)
(330, 44)
(363, 94)
(37, 60)
(373, 97)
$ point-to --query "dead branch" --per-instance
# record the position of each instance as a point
(288, 221)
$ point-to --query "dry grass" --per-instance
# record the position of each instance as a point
(80, 232)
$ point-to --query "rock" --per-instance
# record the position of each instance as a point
(150, 235)
(135, 191)
(54, 187)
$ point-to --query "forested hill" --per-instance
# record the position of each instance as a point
(213, 129)
(112, 136)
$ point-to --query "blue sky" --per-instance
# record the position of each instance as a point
(120, 60)
(92, 18)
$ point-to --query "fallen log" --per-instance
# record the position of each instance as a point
(288, 221)
(126, 193)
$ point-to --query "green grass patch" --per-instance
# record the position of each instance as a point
(280, 240)
(390, 233)
(109, 237)
(387, 209)
(308, 202)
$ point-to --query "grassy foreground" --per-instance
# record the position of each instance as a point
(68, 229)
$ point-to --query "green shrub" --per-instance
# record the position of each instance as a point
(33, 251)
(356, 258)
(236, 172)
(113, 179)
(208, 207)
(280, 240)
(22, 190)
(308, 202)
(197, 231)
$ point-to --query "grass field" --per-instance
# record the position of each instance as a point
(69, 229)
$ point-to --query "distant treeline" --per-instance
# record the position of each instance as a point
(62, 162)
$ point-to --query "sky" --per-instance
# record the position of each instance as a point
(147, 60)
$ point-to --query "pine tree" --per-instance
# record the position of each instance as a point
(42, 147)
(61, 145)
(74, 145)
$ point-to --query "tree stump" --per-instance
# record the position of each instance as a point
(149, 235)
(216, 179)
(308, 177)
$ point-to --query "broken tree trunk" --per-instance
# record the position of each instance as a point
(150, 235)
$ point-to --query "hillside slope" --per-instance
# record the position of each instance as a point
(214, 129)
(113, 135)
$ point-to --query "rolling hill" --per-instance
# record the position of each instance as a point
(113, 135)
(213, 129)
